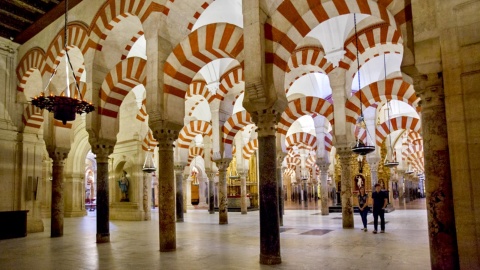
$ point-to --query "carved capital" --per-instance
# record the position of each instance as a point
(280, 157)
(429, 88)
(345, 154)
(222, 164)
(58, 155)
(102, 149)
(266, 121)
(179, 167)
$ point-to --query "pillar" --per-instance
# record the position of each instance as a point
(281, 199)
(179, 168)
(147, 194)
(58, 155)
(185, 191)
(222, 166)
(243, 191)
(401, 201)
(268, 190)
(346, 155)
(441, 218)
(203, 181)
(102, 150)
(166, 186)
(324, 189)
(211, 192)
(373, 160)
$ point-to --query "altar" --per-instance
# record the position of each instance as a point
(235, 201)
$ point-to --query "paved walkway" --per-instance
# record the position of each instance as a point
(308, 241)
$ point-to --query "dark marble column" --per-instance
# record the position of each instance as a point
(102, 150)
(58, 155)
(346, 155)
(211, 192)
(268, 189)
(281, 196)
(305, 193)
(222, 166)
(166, 187)
(441, 218)
(185, 189)
(179, 168)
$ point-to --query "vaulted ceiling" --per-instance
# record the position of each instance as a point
(21, 19)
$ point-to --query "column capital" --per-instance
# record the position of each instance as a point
(345, 153)
(266, 121)
(58, 154)
(280, 157)
(179, 167)
(429, 87)
(222, 164)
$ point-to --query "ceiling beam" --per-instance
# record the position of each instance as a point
(44, 21)
(26, 6)
(14, 16)
(10, 27)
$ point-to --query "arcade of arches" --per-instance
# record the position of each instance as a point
(248, 105)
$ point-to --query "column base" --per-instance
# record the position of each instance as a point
(223, 223)
(56, 234)
(168, 250)
(270, 260)
(211, 211)
(103, 238)
(180, 220)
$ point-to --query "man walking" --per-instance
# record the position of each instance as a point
(380, 201)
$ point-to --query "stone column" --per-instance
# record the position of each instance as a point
(281, 199)
(166, 186)
(179, 168)
(102, 150)
(401, 181)
(185, 191)
(268, 189)
(211, 192)
(58, 155)
(324, 189)
(373, 163)
(201, 191)
(346, 156)
(222, 166)
(441, 218)
(243, 191)
(147, 191)
(188, 192)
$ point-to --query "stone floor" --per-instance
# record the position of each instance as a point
(308, 241)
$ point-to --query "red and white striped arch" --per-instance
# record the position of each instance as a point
(304, 106)
(130, 44)
(397, 123)
(198, 13)
(310, 162)
(411, 150)
(142, 113)
(32, 119)
(234, 124)
(293, 162)
(208, 43)
(117, 84)
(301, 138)
(199, 88)
(381, 37)
(149, 142)
(414, 138)
(110, 14)
(294, 19)
(249, 148)
(228, 80)
(417, 160)
(381, 91)
(329, 141)
(192, 129)
(33, 59)
(195, 151)
(77, 35)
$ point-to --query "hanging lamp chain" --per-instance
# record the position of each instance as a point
(358, 62)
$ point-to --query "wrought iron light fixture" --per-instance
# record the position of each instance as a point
(389, 163)
(360, 147)
(149, 164)
(64, 107)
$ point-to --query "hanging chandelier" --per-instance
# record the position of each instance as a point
(393, 162)
(360, 147)
(64, 107)
(149, 164)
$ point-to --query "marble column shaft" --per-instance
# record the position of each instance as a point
(268, 189)
(346, 155)
(441, 218)
(185, 190)
(211, 193)
(147, 191)
(222, 166)
(166, 189)
(102, 151)
(281, 197)
(324, 188)
(243, 192)
(179, 191)
(57, 209)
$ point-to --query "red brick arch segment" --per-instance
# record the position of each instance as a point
(110, 14)
(198, 13)
(32, 119)
(380, 91)
(208, 43)
(192, 129)
(235, 123)
(228, 80)
(117, 84)
(195, 151)
(33, 59)
(199, 88)
(149, 143)
(304, 138)
(412, 149)
(304, 106)
(249, 148)
(397, 123)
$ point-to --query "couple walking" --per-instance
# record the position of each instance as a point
(380, 201)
